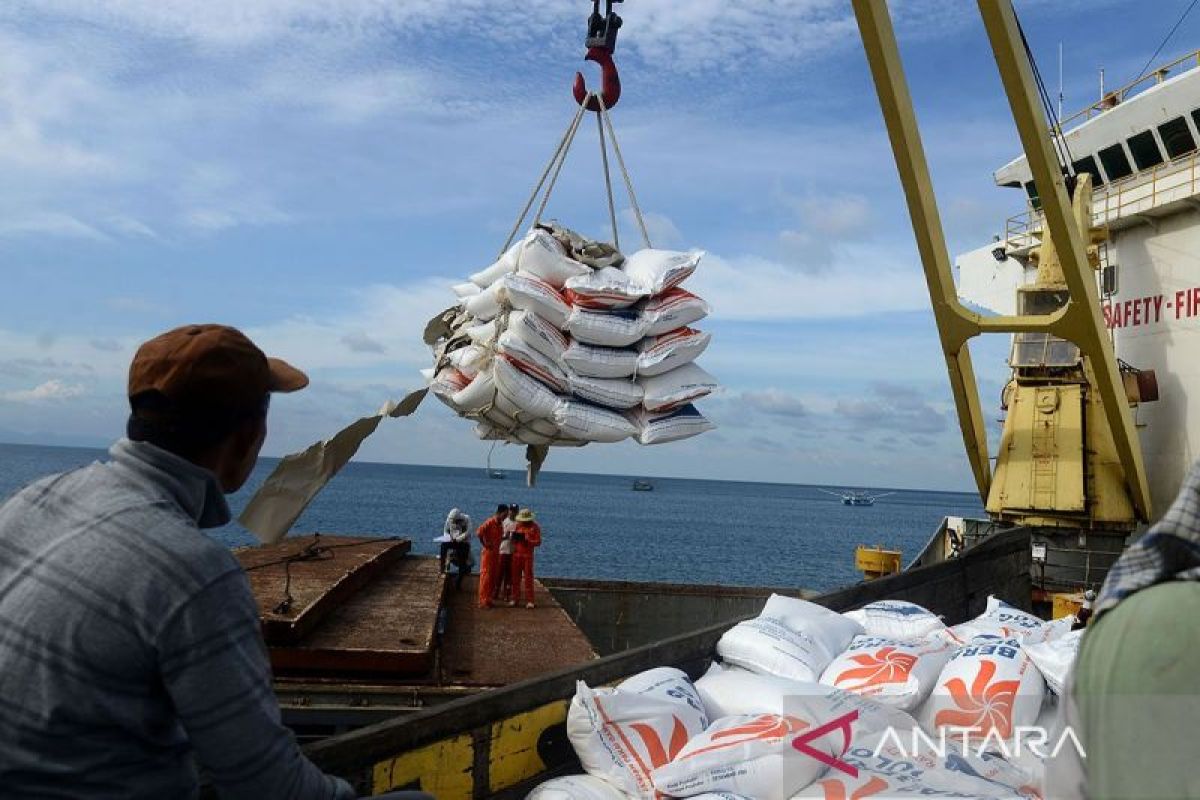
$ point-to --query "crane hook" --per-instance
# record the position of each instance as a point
(610, 81)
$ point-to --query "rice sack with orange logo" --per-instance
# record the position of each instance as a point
(764, 756)
(621, 735)
(896, 673)
(989, 688)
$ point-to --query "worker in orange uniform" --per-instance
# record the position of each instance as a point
(526, 536)
(490, 534)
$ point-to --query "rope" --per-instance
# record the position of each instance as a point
(563, 142)
(1163, 43)
(612, 209)
(315, 551)
(558, 169)
(612, 134)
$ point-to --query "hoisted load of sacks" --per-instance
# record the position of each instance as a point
(564, 341)
(884, 701)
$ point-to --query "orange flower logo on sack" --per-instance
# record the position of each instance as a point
(763, 727)
(835, 789)
(985, 708)
(884, 666)
(657, 753)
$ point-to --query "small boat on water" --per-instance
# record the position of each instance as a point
(857, 498)
(642, 485)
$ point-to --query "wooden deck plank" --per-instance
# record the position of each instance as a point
(389, 627)
(499, 646)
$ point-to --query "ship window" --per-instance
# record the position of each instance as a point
(1088, 164)
(1145, 150)
(1196, 118)
(1031, 190)
(1176, 137)
(1042, 349)
(1116, 165)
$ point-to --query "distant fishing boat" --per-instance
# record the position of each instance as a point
(856, 498)
(641, 485)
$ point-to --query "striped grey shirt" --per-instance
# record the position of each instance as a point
(130, 648)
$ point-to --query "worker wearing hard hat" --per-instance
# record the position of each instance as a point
(490, 534)
(527, 535)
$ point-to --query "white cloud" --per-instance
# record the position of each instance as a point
(49, 223)
(51, 391)
(753, 288)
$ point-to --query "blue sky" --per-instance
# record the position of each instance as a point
(318, 172)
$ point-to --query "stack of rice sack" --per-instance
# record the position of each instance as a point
(565, 341)
(802, 696)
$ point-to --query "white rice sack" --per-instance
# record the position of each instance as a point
(676, 388)
(791, 638)
(485, 305)
(600, 362)
(608, 329)
(533, 363)
(477, 394)
(469, 360)
(1055, 658)
(900, 674)
(988, 689)
(542, 256)
(539, 334)
(728, 690)
(656, 271)
(576, 787)
(673, 309)
(448, 381)
(886, 770)
(489, 432)
(530, 293)
(659, 354)
(521, 392)
(465, 290)
(1049, 631)
(482, 334)
(585, 422)
(751, 755)
(622, 734)
(605, 289)
(898, 619)
(672, 426)
(998, 619)
(499, 268)
(615, 393)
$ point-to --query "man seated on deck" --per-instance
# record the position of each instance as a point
(130, 644)
(1132, 700)
(456, 535)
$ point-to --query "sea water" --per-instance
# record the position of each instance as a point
(596, 526)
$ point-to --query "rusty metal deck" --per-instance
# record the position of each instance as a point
(317, 582)
(388, 627)
(499, 646)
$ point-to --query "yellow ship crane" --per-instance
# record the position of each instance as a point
(1069, 458)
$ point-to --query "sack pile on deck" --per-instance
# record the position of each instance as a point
(565, 341)
(859, 684)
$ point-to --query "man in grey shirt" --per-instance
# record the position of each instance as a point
(130, 647)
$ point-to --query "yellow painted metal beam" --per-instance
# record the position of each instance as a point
(879, 41)
(1081, 322)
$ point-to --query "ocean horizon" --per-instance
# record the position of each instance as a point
(697, 531)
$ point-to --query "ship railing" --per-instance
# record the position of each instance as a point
(1169, 182)
(1118, 96)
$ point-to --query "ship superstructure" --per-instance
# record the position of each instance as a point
(1139, 144)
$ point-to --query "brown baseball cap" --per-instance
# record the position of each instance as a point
(213, 366)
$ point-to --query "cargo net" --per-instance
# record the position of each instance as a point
(564, 341)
